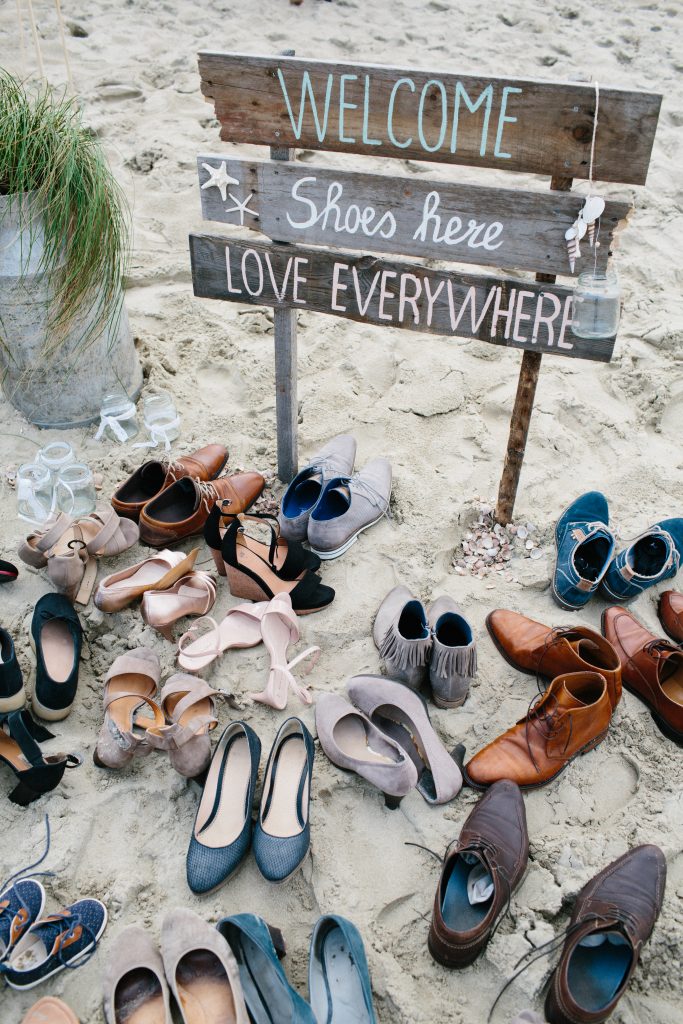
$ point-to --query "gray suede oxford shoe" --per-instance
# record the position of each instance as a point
(347, 506)
(336, 458)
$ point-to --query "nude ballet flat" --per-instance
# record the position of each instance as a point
(194, 594)
(50, 1010)
(279, 629)
(158, 573)
(135, 989)
(241, 627)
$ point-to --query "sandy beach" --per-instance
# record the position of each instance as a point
(439, 409)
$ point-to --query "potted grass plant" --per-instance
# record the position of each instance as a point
(64, 246)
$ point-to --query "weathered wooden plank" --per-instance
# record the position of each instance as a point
(494, 227)
(502, 311)
(508, 123)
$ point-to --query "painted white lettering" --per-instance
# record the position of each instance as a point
(431, 298)
(475, 234)
(259, 267)
(444, 115)
(352, 219)
(503, 120)
(298, 279)
(337, 286)
(486, 97)
(279, 294)
(390, 112)
(493, 231)
(547, 320)
(332, 216)
(385, 294)
(231, 290)
(307, 89)
(302, 199)
(567, 317)
(499, 312)
(404, 299)
(366, 116)
(345, 105)
(363, 307)
(521, 315)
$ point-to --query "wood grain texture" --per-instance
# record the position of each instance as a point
(430, 219)
(501, 311)
(517, 125)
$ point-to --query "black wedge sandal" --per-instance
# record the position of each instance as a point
(252, 577)
(37, 774)
(288, 559)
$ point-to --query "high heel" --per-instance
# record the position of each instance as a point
(129, 685)
(279, 629)
(241, 627)
(158, 573)
(189, 707)
(288, 559)
(193, 594)
(250, 577)
(19, 739)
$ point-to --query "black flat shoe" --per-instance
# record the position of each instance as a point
(19, 750)
(288, 559)
(8, 572)
(57, 638)
(12, 696)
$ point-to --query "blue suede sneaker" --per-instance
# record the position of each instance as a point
(338, 976)
(585, 545)
(267, 992)
(65, 939)
(652, 557)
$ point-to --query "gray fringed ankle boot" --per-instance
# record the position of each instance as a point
(454, 655)
(403, 638)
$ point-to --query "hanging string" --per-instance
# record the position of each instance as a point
(595, 132)
(62, 36)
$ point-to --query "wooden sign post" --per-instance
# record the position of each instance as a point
(329, 228)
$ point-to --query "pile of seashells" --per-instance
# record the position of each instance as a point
(488, 547)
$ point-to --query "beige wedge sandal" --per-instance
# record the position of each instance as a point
(158, 573)
(189, 707)
(129, 685)
(241, 627)
(193, 594)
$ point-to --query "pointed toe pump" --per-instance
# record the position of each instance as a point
(288, 559)
(221, 836)
(36, 773)
(252, 578)
(338, 976)
(401, 714)
(354, 744)
(258, 949)
(279, 629)
(282, 834)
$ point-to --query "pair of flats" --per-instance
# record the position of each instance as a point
(57, 639)
(34, 945)
(232, 974)
(329, 505)
(385, 736)
(419, 645)
(136, 721)
(223, 830)
(69, 548)
(587, 559)
(272, 622)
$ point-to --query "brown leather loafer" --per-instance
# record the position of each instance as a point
(548, 651)
(652, 668)
(154, 477)
(493, 841)
(613, 917)
(671, 614)
(569, 719)
(182, 509)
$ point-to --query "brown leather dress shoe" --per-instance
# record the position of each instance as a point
(548, 652)
(652, 668)
(493, 841)
(671, 614)
(182, 509)
(569, 719)
(151, 478)
(614, 916)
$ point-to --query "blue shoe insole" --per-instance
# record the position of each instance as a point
(596, 973)
(336, 502)
(458, 913)
(590, 558)
(265, 993)
(301, 497)
(342, 980)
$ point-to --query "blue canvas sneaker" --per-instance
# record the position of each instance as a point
(21, 904)
(65, 939)
(652, 557)
(585, 545)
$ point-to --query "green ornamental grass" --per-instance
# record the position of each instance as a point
(45, 149)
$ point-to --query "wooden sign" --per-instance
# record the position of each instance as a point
(503, 123)
(405, 216)
(511, 124)
(516, 313)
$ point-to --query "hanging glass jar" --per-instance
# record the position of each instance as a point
(597, 304)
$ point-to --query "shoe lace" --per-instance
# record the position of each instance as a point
(208, 494)
(174, 468)
(9, 886)
(551, 639)
(659, 648)
(63, 934)
(547, 719)
(375, 497)
(619, 914)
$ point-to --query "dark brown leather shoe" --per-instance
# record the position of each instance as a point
(155, 476)
(182, 509)
(494, 839)
(613, 917)
(548, 651)
(569, 719)
(671, 614)
(652, 668)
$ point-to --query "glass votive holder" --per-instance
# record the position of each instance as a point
(118, 418)
(55, 456)
(161, 417)
(75, 490)
(597, 304)
(34, 492)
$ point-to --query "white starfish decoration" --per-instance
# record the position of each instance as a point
(220, 178)
(241, 207)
